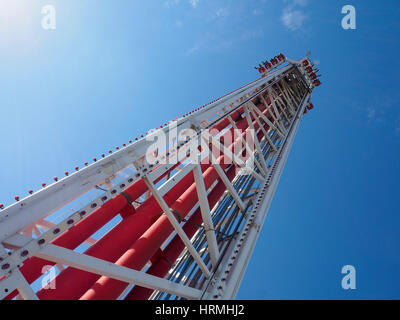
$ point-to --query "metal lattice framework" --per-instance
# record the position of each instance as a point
(125, 227)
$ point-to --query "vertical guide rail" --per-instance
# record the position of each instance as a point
(206, 215)
(229, 275)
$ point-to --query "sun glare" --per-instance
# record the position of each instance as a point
(17, 23)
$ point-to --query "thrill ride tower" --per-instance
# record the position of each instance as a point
(174, 214)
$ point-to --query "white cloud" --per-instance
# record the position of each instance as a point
(371, 113)
(302, 3)
(257, 12)
(293, 19)
(194, 3)
(221, 12)
(170, 3)
(196, 47)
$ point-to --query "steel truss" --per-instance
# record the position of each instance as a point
(186, 229)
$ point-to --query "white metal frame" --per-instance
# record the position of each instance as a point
(27, 213)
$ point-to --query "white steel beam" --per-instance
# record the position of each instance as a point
(24, 289)
(168, 185)
(274, 113)
(255, 138)
(164, 206)
(259, 123)
(285, 93)
(235, 159)
(206, 215)
(111, 270)
(274, 97)
(104, 268)
(282, 103)
(227, 183)
(293, 95)
(277, 112)
(247, 147)
(260, 114)
(15, 280)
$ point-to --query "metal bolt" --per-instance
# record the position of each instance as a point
(5, 266)
(24, 253)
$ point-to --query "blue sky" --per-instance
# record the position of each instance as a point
(112, 70)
